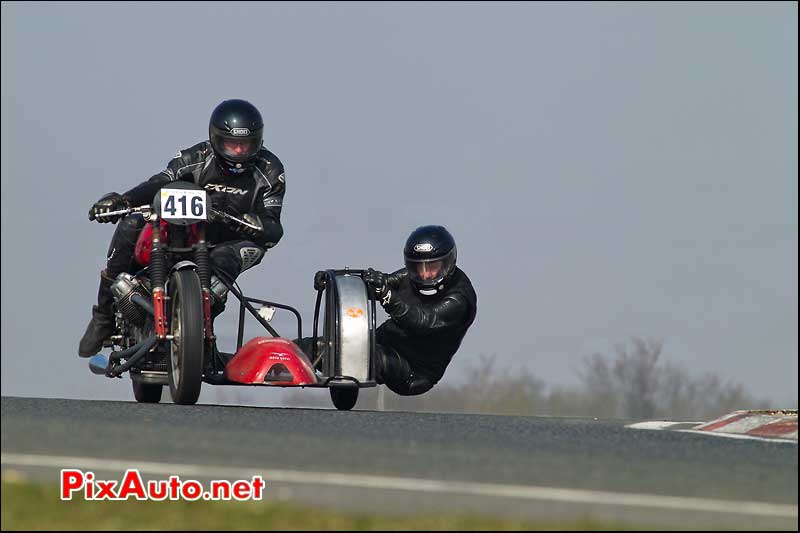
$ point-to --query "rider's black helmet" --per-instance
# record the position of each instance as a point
(430, 255)
(236, 132)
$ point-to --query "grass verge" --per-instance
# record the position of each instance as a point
(34, 506)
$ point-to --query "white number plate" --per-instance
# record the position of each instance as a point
(181, 203)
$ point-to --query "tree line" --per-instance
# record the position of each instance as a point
(635, 382)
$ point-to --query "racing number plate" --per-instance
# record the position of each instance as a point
(183, 204)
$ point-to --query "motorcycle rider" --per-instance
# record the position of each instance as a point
(241, 177)
(431, 305)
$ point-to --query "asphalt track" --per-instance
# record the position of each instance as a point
(398, 463)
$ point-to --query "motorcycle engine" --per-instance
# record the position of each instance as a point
(123, 288)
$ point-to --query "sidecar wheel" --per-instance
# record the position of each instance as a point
(344, 398)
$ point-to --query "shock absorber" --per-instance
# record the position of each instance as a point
(158, 277)
(201, 257)
(202, 260)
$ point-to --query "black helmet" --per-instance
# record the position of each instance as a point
(430, 255)
(236, 132)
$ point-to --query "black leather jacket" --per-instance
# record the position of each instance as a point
(258, 191)
(427, 331)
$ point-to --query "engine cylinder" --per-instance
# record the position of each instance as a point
(123, 288)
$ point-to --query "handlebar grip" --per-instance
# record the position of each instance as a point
(121, 212)
(114, 213)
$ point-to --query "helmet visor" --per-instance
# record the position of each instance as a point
(238, 148)
(430, 272)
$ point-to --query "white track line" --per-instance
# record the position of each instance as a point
(658, 424)
(413, 485)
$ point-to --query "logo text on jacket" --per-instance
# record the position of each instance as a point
(222, 188)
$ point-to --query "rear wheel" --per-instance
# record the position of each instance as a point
(188, 337)
(146, 392)
(344, 398)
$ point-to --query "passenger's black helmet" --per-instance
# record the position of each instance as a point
(430, 255)
(236, 132)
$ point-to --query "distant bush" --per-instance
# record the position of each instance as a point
(635, 383)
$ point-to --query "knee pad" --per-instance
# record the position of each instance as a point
(251, 256)
(235, 258)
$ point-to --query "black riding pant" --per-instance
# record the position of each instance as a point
(391, 370)
(399, 375)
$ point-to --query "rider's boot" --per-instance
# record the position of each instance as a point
(102, 324)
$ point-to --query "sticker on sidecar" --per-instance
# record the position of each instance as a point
(183, 204)
(354, 312)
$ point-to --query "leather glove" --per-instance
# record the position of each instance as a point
(110, 202)
(254, 234)
(319, 280)
(218, 203)
(378, 286)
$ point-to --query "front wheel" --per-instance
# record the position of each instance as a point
(146, 392)
(188, 337)
(344, 398)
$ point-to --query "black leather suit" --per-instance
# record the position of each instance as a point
(423, 332)
(258, 191)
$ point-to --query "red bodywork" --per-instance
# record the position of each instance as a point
(252, 364)
(144, 244)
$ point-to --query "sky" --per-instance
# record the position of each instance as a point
(608, 170)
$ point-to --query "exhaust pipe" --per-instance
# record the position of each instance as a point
(128, 352)
(102, 366)
(144, 347)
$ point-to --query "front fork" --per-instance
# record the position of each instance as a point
(158, 277)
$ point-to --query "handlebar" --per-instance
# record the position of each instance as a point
(122, 212)
(149, 209)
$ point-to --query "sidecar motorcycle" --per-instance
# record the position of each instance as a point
(164, 330)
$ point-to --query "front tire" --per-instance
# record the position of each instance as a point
(344, 398)
(186, 349)
(146, 392)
